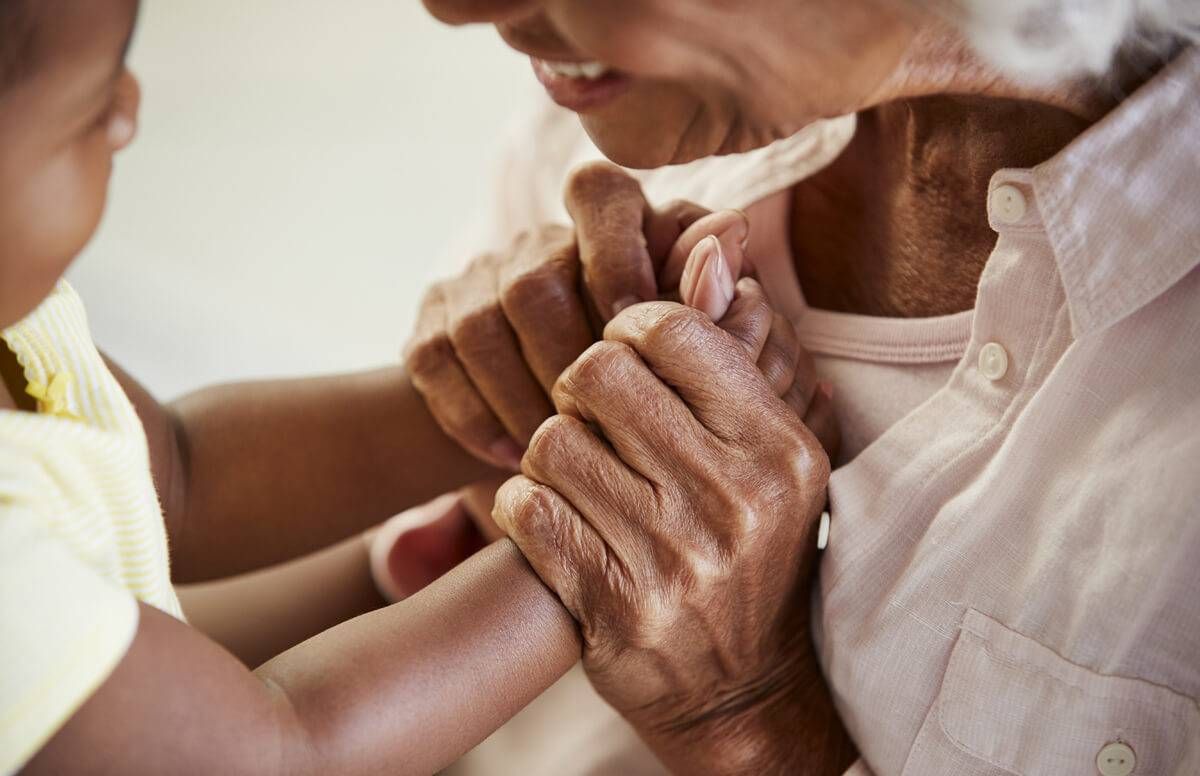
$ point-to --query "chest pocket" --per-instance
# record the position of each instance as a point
(1009, 705)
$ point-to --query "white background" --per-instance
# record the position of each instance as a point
(302, 172)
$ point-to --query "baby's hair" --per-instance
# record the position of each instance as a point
(17, 20)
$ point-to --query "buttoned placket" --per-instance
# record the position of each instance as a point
(1019, 331)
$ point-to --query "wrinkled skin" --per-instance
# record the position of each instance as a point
(641, 504)
(669, 504)
(490, 343)
(671, 501)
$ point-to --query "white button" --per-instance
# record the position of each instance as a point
(1116, 759)
(823, 532)
(1007, 204)
(993, 361)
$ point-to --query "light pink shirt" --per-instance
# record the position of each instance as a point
(1013, 576)
(1012, 584)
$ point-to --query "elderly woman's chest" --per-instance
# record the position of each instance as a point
(1011, 575)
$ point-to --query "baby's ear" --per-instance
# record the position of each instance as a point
(730, 227)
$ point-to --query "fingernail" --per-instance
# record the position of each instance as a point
(719, 268)
(826, 388)
(697, 263)
(623, 302)
(507, 452)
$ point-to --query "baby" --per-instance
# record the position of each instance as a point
(108, 499)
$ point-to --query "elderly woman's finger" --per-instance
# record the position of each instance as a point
(820, 419)
(489, 352)
(782, 359)
(452, 398)
(609, 210)
(569, 457)
(749, 317)
(707, 368)
(664, 225)
(648, 425)
(540, 294)
(768, 337)
(561, 547)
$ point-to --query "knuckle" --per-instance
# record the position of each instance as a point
(657, 613)
(553, 440)
(743, 512)
(595, 179)
(425, 357)
(524, 506)
(806, 459)
(475, 333)
(433, 295)
(546, 284)
(603, 364)
(481, 263)
(700, 564)
(778, 362)
(672, 326)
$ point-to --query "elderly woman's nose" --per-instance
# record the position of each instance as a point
(475, 11)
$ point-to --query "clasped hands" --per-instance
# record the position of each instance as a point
(671, 473)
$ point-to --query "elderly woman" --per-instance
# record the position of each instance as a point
(1012, 552)
(996, 273)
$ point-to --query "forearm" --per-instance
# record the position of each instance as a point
(415, 685)
(258, 615)
(405, 689)
(274, 470)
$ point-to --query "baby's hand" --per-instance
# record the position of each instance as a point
(709, 257)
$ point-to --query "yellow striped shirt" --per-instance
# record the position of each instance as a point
(81, 531)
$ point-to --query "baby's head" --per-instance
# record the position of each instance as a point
(67, 105)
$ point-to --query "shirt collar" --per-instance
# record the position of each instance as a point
(1119, 204)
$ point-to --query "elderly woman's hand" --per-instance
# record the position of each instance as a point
(490, 343)
(672, 506)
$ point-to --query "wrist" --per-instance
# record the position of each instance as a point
(783, 722)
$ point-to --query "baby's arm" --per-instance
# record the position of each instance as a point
(405, 689)
(258, 615)
(254, 474)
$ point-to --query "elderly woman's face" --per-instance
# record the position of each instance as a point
(668, 81)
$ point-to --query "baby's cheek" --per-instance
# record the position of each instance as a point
(65, 201)
(47, 218)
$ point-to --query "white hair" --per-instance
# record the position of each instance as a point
(1048, 40)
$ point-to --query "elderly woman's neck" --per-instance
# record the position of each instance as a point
(897, 225)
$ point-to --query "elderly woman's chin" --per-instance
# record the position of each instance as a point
(655, 125)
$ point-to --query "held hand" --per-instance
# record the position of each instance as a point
(490, 343)
(672, 506)
(418, 546)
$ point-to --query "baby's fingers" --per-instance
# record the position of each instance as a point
(744, 312)
(731, 230)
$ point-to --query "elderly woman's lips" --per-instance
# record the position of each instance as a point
(579, 86)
